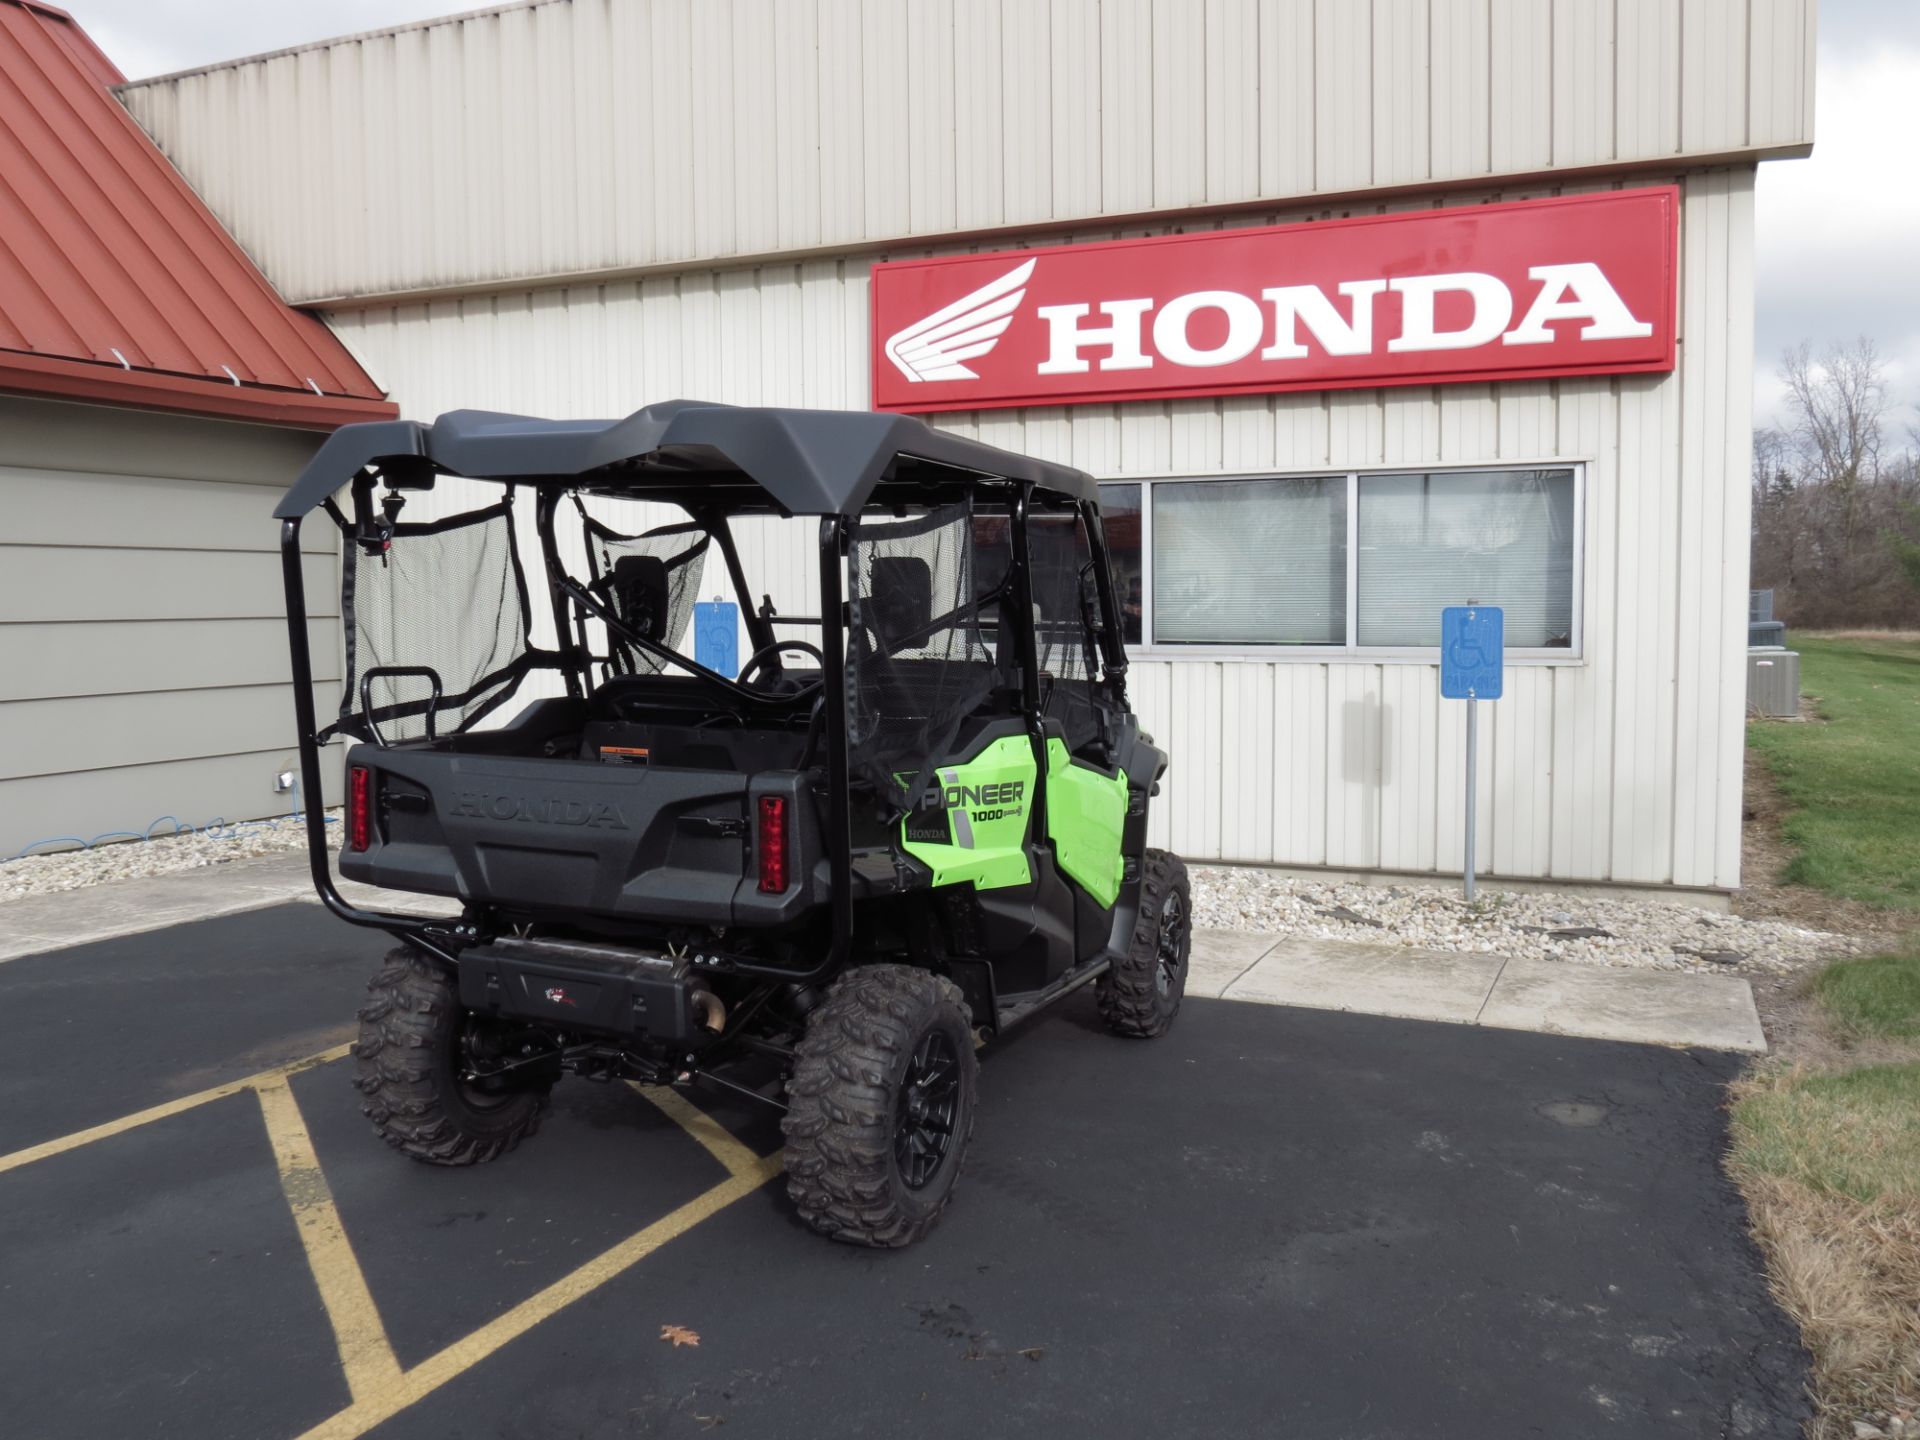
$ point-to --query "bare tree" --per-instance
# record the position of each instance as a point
(1836, 501)
(1840, 413)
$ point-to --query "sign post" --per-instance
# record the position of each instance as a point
(1472, 667)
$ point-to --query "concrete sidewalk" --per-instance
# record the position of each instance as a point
(1655, 1007)
(107, 911)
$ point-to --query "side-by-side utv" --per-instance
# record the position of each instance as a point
(914, 816)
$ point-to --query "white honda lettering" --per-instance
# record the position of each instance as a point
(1296, 305)
(1576, 292)
(1066, 337)
(1245, 325)
(1492, 306)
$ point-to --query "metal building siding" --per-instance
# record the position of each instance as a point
(143, 654)
(515, 144)
(1623, 766)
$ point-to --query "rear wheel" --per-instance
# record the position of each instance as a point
(1141, 993)
(880, 1106)
(416, 1044)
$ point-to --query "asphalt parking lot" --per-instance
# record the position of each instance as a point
(1273, 1222)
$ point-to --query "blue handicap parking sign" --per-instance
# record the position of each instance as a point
(1472, 651)
(716, 636)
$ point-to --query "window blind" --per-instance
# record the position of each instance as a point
(1250, 562)
(1492, 537)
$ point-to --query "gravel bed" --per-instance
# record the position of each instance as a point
(1646, 934)
(1592, 930)
(216, 844)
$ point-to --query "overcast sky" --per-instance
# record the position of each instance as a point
(1839, 235)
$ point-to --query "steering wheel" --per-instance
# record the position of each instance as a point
(767, 653)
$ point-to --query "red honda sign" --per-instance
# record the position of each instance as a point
(1582, 285)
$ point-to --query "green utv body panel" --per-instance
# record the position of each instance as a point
(1086, 812)
(972, 822)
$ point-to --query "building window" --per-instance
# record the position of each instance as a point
(1359, 563)
(1250, 562)
(1499, 537)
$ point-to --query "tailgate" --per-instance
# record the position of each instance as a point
(557, 834)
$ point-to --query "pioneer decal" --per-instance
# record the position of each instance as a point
(948, 809)
(954, 796)
(1574, 285)
(592, 814)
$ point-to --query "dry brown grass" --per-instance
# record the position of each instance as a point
(1848, 1272)
(1846, 1266)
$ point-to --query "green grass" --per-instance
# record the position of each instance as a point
(1874, 995)
(1850, 1133)
(1852, 785)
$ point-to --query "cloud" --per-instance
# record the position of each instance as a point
(1837, 244)
(155, 37)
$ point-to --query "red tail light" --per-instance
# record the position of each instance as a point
(773, 844)
(359, 807)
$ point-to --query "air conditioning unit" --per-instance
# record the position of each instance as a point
(1773, 683)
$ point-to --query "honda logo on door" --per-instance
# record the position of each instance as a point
(1580, 285)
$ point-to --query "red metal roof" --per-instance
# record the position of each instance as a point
(116, 284)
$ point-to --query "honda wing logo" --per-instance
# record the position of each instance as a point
(933, 348)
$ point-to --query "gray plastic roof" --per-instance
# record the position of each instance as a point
(809, 462)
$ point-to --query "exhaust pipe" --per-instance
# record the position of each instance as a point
(709, 1010)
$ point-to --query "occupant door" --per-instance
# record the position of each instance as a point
(1086, 799)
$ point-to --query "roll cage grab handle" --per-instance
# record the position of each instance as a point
(443, 937)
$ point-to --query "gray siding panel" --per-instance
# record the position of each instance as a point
(100, 732)
(39, 662)
(96, 802)
(512, 145)
(79, 582)
(143, 660)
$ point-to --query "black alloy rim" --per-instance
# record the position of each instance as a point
(1171, 952)
(929, 1107)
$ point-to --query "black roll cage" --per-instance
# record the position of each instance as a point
(443, 938)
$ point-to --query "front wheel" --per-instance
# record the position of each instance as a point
(415, 1046)
(1141, 993)
(880, 1106)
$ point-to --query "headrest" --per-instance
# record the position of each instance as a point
(641, 596)
(902, 596)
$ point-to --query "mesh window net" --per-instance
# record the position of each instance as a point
(446, 596)
(650, 581)
(1061, 561)
(917, 661)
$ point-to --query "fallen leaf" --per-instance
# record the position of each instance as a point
(707, 1422)
(1035, 1352)
(679, 1335)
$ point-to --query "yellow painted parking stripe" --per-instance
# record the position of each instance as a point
(738, 1159)
(380, 1388)
(161, 1112)
(415, 1384)
(365, 1352)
